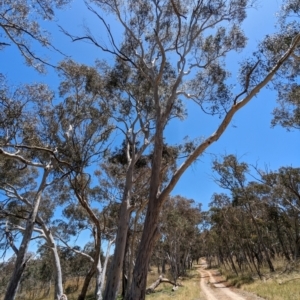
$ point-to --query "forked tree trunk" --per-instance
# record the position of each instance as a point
(100, 278)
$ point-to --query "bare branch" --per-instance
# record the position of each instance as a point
(247, 82)
(21, 159)
(74, 250)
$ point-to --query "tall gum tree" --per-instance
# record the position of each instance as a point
(178, 48)
(82, 127)
(22, 147)
(60, 140)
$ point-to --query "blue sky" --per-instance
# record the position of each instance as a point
(249, 136)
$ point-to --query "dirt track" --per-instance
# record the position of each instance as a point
(213, 287)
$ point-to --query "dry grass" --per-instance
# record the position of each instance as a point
(190, 288)
(69, 289)
(271, 289)
(284, 284)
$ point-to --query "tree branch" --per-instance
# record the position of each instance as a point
(227, 119)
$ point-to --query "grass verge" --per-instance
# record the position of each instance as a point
(280, 285)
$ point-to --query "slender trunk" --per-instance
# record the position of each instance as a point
(257, 268)
(114, 274)
(86, 283)
(280, 238)
(261, 240)
(125, 269)
(101, 276)
(296, 245)
(21, 256)
(233, 265)
(95, 265)
(113, 278)
(131, 252)
(163, 266)
(296, 248)
(58, 287)
(99, 271)
(58, 284)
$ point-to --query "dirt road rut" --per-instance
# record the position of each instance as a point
(213, 287)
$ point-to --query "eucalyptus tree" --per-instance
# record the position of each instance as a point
(133, 117)
(82, 122)
(174, 51)
(249, 195)
(259, 220)
(112, 187)
(287, 114)
(61, 139)
(224, 220)
(17, 212)
(234, 235)
(78, 222)
(284, 202)
(24, 152)
(179, 221)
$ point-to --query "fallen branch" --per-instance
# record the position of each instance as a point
(283, 282)
(160, 280)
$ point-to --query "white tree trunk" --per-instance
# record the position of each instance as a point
(99, 283)
(100, 277)
(21, 257)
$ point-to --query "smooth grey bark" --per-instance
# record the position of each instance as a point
(58, 287)
(113, 278)
(58, 282)
(131, 250)
(21, 257)
(99, 270)
(100, 276)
